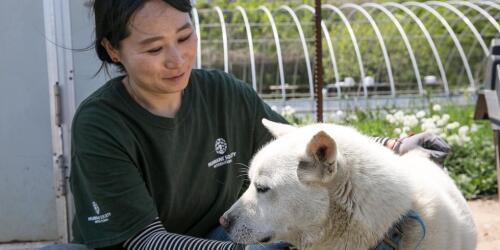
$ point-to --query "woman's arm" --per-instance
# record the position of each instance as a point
(156, 237)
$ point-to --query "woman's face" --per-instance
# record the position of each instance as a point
(159, 52)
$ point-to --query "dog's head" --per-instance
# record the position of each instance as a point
(287, 195)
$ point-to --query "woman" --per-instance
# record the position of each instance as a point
(158, 153)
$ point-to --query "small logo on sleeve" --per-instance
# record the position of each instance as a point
(223, 159)
(98, 218)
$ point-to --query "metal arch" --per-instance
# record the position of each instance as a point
(489, 3)
(405, 40)
(354, 42)
(380, 39)
(278, 49)
(329, 44)
(250, 45)
(458, 45)
(196, 18)
(467, 22)
(483, 12)
(428, 37)
(224, 38)
(304, 46)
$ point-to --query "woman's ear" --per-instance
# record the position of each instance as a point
(112, 52)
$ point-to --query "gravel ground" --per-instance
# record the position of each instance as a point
(487, 216)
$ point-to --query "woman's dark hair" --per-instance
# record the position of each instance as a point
(111, 22)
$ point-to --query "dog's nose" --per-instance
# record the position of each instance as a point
(225, 222)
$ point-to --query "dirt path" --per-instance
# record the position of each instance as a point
(487, 216)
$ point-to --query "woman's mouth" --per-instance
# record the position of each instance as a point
(176, 77)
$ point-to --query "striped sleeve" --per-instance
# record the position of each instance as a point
(155, 236)
(381, 140)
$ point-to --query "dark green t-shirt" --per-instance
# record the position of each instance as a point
(130, 166)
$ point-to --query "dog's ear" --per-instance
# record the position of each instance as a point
(277, 129)
(321, 163)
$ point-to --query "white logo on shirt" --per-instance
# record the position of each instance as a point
(96, 207)
(223, 159)
(220, 146)
(99, 218)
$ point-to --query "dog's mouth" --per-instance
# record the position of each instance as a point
(266, 239)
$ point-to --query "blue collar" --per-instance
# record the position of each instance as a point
(395, 233)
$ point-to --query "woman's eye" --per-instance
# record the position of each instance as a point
(262, 189)
(185, 38)
(154, 50)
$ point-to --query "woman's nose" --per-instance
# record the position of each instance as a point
(173, 58)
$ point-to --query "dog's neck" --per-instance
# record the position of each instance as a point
(364, 201)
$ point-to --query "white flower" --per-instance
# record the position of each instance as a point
(397, 131)
(339, 114)
(287, 111)
(399, 116)
(420, 114)
(410, 121)
(462, 131)
(352, 117)
(474, 128)
(428, 125)
(390, 118)
(444, 119)
(435, 118)
(436, 107)
(406, 129)
(453, 139)
(465, 139)
(453, 125)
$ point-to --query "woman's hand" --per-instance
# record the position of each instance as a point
(277, 245)
(430, 143)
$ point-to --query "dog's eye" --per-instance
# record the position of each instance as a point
(262, 189)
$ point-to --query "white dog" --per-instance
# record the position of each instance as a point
(325, 186)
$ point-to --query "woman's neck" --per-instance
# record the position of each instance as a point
(165, 105)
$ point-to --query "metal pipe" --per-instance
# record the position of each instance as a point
(354, 42)
(487, 15)
(278, 49)
(381, 42)
(429, 39)
(467, 22)
(304, 46)
(196, 18)
(405, 40)
(457, 43)
(224, 38)
(250, 45)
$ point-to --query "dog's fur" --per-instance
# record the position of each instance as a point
(325, 186)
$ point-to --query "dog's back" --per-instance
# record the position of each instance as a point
(449, 222)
